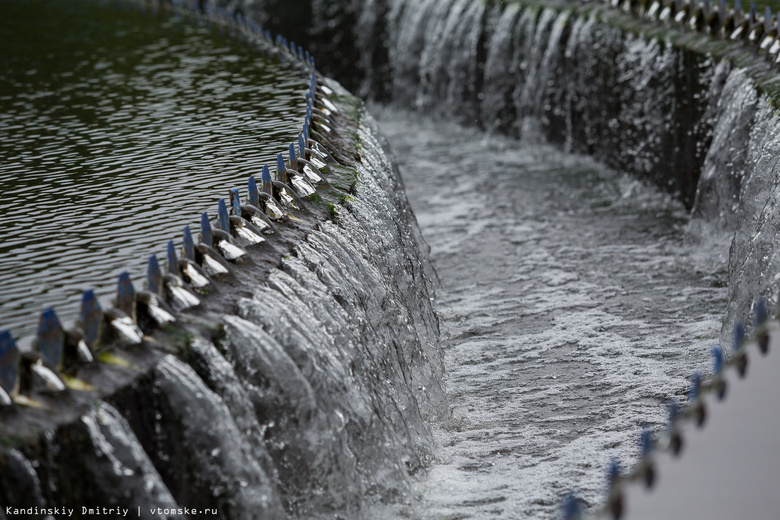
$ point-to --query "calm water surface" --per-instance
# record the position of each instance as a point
(572, 307)
(117, 128)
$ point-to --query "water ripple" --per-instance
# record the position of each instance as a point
(117, 128)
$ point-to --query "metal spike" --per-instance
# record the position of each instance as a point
(223, 219)
(645, 443)
(90, 317)
(189, 244)
(571, 508)
(173, 262)
(205, 229)
(254, 197)
(266, 180)
(693, 393)
(281, 170)
(739, 336)
(717, 360)
(50, 338)
(125, 295)
(674, 409)
(235, 201)
(760, 313)
(9, 361)
(293, 158)
(613, 472)
(153, 275)
(301, 146)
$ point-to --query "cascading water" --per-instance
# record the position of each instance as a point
(564, 319)
(300, 386)
(663, 109)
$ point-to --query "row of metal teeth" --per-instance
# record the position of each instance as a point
(719, 20)
(733, 24)
(190, 273)
(671, 439)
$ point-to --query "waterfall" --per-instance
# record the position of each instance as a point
(303, 389)
(308, 391)
(687, 122)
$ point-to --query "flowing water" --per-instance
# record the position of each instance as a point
(571, 309)
(117, 128)
(573, 300)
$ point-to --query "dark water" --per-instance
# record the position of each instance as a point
(117, 128)
(571, 309)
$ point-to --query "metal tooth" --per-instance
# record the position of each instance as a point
(266, 181)
(292, 157)
(205, 230)
(254, 196)
(694, 398)
(154, 276)
(9, 365)
(281, 170)
(717, 370)
(50, 339)
(570, 509)
(223, 219)
(740, 357)
(173, 262)
(615, 497)
(90, 317)
(760, 313)
(767, 19)
(675, 439)
(760, 317)
(645, 449)
(301, 146)
(189, 244)
(235, 202)
(125, 295)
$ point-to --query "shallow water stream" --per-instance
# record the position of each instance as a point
(572, 306)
